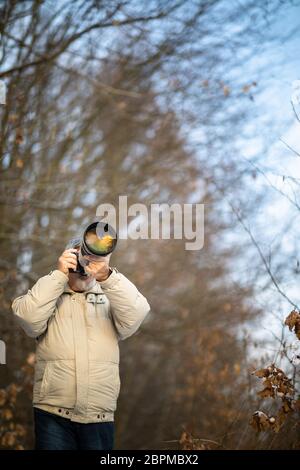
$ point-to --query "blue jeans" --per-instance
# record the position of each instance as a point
(57, 433)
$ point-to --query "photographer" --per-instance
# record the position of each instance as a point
(77, 319)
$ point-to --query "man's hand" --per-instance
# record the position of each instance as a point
(67, 260)
(99, 269)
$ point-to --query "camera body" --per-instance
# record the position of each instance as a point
(79, 268)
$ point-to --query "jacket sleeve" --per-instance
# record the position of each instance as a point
(34, 309)
(128, 306)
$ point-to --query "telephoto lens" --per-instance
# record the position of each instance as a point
(99, 240)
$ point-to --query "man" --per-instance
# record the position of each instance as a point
(77, 321)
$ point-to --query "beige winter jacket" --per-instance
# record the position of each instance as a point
(77, 335)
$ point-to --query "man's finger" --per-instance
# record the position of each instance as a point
(70, 250)
(88, 269)
(71, 265)
(70, 256)
(70, 261)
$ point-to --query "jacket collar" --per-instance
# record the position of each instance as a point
(96, 289)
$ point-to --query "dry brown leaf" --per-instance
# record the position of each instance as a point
(266, 392)
(261, 373)
(287, 405)
(8, 439)
(7, 414)
(292, 320)
(260, 421)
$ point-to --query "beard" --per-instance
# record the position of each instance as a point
(80, 283)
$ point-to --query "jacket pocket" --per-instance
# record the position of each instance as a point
(46, 379)
(41, 374)
(55, 383)
(104, 385)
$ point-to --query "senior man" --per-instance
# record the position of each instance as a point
(78, 321)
